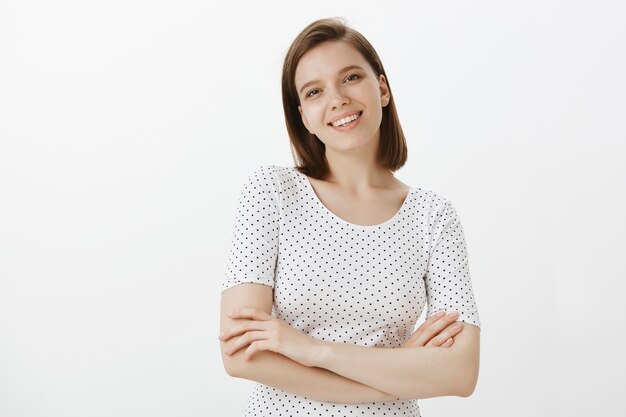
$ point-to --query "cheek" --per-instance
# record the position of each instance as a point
(314, 114)
(375, 113)
(373, 96)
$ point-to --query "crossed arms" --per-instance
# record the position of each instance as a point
(350, 373)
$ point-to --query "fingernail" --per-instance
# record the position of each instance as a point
(220, 336)
(454, 314)
(230, 314)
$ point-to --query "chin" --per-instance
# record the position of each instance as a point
(347, 145)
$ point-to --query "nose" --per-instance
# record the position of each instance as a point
(339, 99)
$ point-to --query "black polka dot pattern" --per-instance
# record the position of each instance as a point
(344, 282)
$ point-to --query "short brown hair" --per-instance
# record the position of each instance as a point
(310, 152)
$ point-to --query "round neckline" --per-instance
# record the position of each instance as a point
(309, 186)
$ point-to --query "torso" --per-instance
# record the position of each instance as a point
(373, 209)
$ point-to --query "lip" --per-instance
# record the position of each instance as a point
(349, 127)
(341, 116)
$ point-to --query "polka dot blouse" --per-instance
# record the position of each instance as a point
(343, 282)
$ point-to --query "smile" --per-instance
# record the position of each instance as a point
(346, 121)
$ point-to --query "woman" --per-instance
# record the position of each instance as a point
(332, 262)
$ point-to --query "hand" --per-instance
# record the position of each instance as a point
(437, 331)
(261, 331)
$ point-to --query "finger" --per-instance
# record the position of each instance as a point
(437, 319)
(255, 347)
(450, 331)
(433, 326)
(249, 312)
(244, 340)
(436, 316)
(448, 342)
(242, 328)
(434, 329)
(432, 319)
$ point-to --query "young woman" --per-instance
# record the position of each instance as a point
(332, 261)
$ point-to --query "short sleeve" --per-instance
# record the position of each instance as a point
(253, 250)
(447, 279)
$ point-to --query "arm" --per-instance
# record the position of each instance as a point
(407, 372)
(277, 371)
(280, 372)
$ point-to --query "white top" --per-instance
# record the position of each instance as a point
(343, 282)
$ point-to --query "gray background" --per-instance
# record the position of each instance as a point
(128, 127)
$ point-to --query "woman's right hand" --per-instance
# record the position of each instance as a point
(437, 331)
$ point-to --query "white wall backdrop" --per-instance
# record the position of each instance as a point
(127, 128)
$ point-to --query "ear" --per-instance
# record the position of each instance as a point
(385, 94)
(304, 120)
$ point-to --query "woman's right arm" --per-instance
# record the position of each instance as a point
(278, 371)
(319, 384)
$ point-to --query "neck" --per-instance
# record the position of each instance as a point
(356, 171)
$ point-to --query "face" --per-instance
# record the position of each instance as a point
(341, 98)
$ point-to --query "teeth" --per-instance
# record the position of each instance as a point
(345, 120)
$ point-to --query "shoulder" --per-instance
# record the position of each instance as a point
(430, 200)
(262, 177)
(268, 182)
(437, 208)
(262, 172)
(269, 172)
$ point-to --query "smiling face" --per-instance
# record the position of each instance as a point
(341, 98)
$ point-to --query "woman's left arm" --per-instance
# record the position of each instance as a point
(409, 373)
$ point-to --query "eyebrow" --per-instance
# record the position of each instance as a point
(349, 67)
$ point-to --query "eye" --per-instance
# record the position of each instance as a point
(312, 92)
(352, 77)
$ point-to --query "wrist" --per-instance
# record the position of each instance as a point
(322, 352)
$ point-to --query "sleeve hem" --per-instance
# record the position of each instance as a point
(233, 281)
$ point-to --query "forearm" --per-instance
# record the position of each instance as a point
(319, 384)
(408, 373)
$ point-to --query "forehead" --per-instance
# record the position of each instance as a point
(326, 59)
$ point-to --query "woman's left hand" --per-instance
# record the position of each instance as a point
(263, 332)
